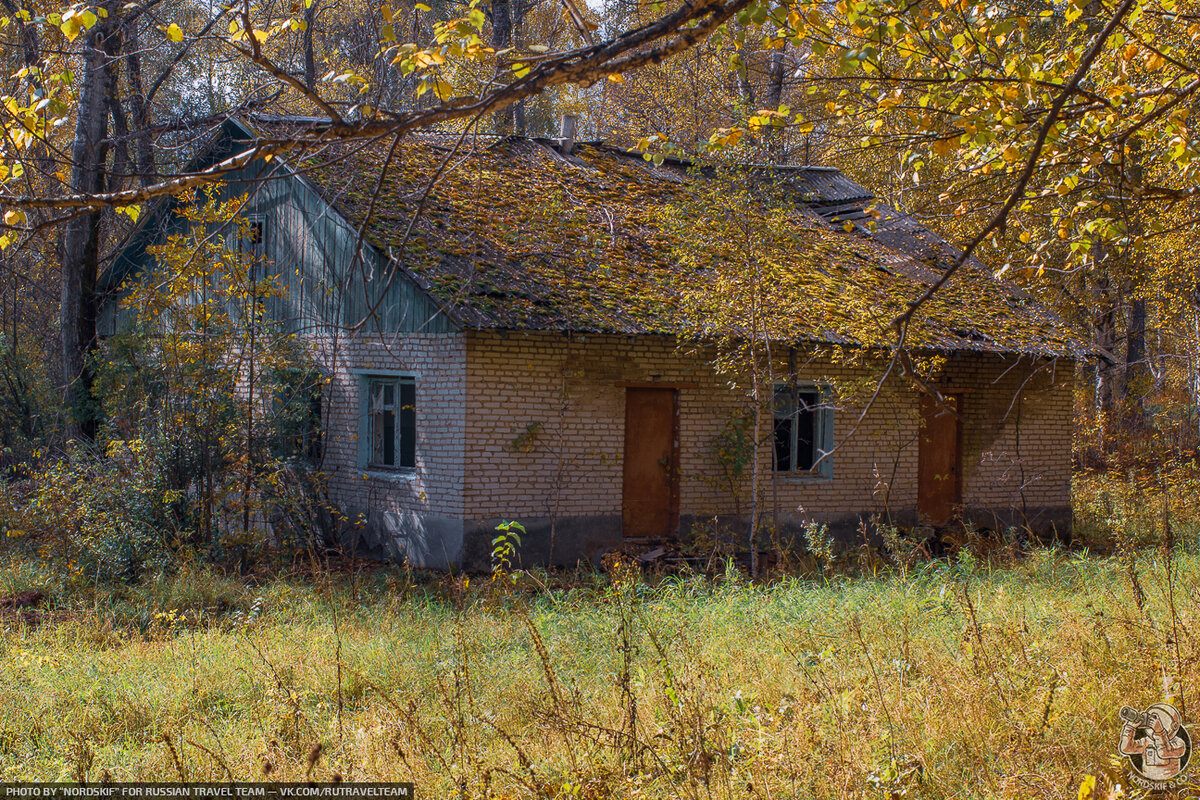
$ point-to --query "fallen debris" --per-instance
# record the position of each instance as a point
(30, 598)
(653, 555)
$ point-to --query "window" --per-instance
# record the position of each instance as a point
(298, 416)
(388, 435)
(803, 430)
(252, 241)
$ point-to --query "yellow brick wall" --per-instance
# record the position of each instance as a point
(1017, 431)
(568, 388)
(530, 426)
(413, 514)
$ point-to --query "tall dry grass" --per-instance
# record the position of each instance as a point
(995, 672)
(960, 679)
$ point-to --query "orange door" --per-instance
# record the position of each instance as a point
(649, 504)
(939, 479)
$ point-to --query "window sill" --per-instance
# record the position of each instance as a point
(801, 477)
(395, 475)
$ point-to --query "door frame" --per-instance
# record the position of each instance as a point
(673, 471)
(959, 396)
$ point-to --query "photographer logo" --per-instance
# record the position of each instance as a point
(1157, 745)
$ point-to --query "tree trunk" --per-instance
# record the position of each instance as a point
(139, 108)
(506, 16)
(31, 56)
(775, 73)
(81, 238)
(1135, 383)
(310, 57)
(31, 47)
(1196, 373)
(744, 87)
(774, 98)
(1105, 332)
(122, 166)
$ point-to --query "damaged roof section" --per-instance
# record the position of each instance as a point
(514, 234)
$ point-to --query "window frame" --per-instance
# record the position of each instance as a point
(245, 244)
(307, 441)
(366, 380)
(822, 431)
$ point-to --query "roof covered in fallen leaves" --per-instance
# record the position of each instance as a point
(515, 234)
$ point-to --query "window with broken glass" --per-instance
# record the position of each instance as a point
(803, 430)
(391, 423)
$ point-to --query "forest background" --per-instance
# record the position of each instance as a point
(1052, 140)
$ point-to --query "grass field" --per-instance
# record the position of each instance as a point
(997, 671)
(951, 679)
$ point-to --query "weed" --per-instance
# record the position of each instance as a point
(958, 677)
(505, 546)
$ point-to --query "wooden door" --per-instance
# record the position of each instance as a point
(650, 493)
(939, 471)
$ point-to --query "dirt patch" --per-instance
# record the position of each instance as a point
(23, 605)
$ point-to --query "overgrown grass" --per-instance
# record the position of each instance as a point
(996, 672)
(1122, 508)
(958, 680)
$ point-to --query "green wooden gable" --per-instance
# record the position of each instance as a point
(329, 280)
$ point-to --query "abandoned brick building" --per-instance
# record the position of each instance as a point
(517, 354)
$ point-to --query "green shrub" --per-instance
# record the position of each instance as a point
(106, 517)
(223, 395)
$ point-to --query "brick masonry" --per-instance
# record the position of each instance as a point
(529, 426)
(407, 514)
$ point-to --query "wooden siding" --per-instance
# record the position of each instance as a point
(312, 249)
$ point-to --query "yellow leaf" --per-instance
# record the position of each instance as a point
(174, 33)
(1155, 62)
(1087, 787)
(70, 28)
(1025, 237)
(943, 147)
(616, 77)
(1011, 153)
(14, 217)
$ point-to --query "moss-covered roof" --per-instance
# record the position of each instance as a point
(513, 234)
